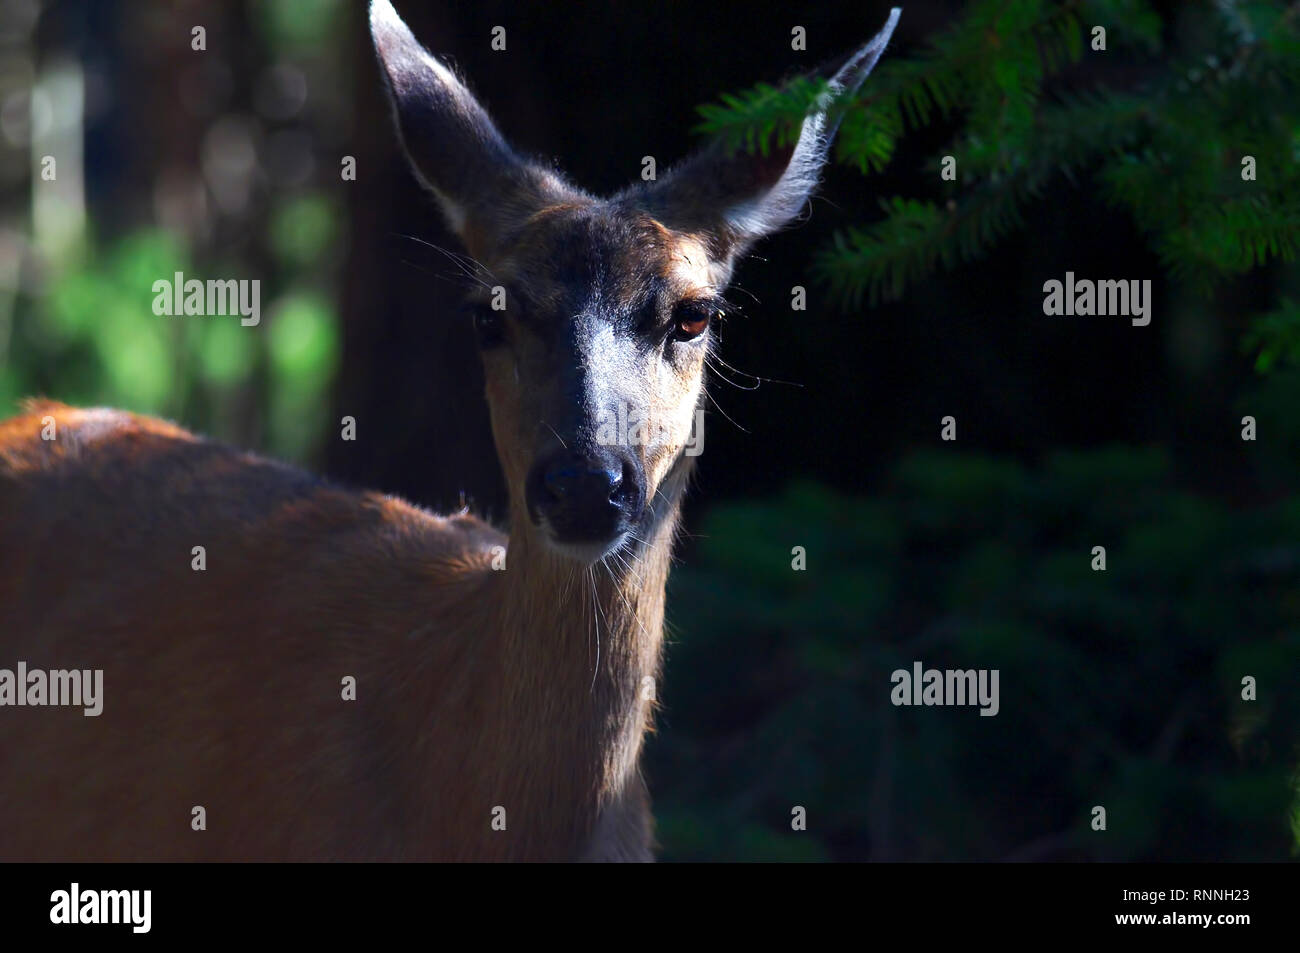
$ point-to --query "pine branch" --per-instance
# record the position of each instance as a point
(1275, 337)
(952, 75)
(878, 262)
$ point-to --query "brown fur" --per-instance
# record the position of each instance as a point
(527, 689)
(222, 688)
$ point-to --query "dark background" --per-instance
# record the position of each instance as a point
(597, 92)
(1118, 689)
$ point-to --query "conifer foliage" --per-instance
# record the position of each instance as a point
(1194, 133)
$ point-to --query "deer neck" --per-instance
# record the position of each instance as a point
(581, 646)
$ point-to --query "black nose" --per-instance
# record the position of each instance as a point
(586, 497)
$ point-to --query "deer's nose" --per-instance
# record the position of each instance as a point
(597, 480)
(586, 498)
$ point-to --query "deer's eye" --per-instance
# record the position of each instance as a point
(691, 319)
(489, 326)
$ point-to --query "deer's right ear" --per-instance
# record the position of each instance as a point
(452, 143)
(736, 198)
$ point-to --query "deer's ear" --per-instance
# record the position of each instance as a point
(738, 198)
(452, 143)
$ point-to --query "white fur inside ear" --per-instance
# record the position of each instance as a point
(453, 212)
(778, 206)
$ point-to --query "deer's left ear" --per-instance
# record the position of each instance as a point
(482, 185)
(738, 198)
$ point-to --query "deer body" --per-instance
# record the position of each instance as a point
(503, 685)
(222, 687)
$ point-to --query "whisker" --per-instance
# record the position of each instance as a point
(458, 257)
(458, 260)
(727, 380)
(723, 412)
(557, 435)
(595, 604)
(627, 605)
(627, 568)
(765, 380)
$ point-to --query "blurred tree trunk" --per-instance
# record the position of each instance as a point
(410, 374)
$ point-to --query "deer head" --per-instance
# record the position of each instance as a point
(596, 315)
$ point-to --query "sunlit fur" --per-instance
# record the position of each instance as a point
(526, 686)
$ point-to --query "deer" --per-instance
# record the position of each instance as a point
(342, 675)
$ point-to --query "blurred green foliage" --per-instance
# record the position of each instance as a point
(1119, 688)
(300, 25)
(94, 339)
(80, 327)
